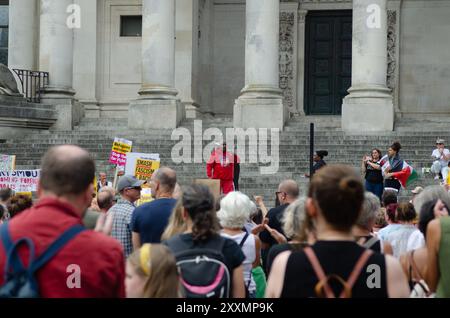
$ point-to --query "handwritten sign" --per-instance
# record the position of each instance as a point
(7, 162)
(20, 180)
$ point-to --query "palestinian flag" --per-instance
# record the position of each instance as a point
(405, 176)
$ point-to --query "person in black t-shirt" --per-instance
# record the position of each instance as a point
(298, 228)
(334, 201)
(203, 232)
(288, 192)
(372, 169)
(318, 161)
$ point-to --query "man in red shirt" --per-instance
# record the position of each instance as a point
(221, 166)
(89, 265)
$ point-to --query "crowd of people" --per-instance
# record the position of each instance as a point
(343, 238)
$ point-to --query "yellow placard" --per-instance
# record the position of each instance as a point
(121, 147)
(27, 194)
(146, 196)
(95, 184)
(145, 168)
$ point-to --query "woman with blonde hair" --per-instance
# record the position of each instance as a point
(176, 224)
(298, 227)
(151, 272)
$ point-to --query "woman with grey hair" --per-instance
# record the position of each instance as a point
(431, 193)
(234, 213)
(362, 230)
(298, 228)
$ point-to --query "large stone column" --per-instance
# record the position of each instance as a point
(56, 47)
(85, 64)
(157, 106)
(186, 54)
(369, 106)
(260, 104)
(56, 57)
(22, 34)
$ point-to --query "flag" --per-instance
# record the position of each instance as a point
(406, 175)
(384, 163)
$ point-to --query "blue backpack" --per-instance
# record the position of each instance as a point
(20, 282)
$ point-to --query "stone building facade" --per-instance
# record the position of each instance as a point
(153, 62)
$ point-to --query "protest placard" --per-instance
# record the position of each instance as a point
(20, 180)
(133, 157)
(119, 150)
(7, 162)
(145, 168)
(146, 196)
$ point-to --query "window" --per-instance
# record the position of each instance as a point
(4, 22)
(131, 25)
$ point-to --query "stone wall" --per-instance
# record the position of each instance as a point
(424, 57)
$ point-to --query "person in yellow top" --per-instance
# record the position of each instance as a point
(447, 181)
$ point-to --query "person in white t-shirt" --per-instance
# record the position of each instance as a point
(441, 157)
(235, 210)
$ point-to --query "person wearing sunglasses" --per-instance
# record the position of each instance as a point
(129, 189)
(441, 157)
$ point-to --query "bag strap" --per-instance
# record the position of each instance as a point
(318, 270)
(56, 246)
(323, 279)
(8, 245)
(371, 242)
(357, 269)
(244, 239)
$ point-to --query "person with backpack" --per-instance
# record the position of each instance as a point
(235, 210)
(152, 273)
(209, 264)
(46, 252)
(336, 266)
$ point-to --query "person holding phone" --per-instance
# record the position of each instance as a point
(371, 168)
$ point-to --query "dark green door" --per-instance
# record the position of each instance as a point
(328, 61)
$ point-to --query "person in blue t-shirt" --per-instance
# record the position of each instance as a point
(150, 219)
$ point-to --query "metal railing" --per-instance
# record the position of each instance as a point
(32, 83)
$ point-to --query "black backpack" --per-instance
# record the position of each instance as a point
(20, 281)
(202, 270)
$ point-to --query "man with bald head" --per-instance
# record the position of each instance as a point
(150, 219)
(65, 192)
(288, 191)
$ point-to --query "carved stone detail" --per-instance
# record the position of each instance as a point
(286, 59)
(391, 49)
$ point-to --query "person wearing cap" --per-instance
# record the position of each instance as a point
(129, 189)
(221, 166)
(415, 193)
(441, 157)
